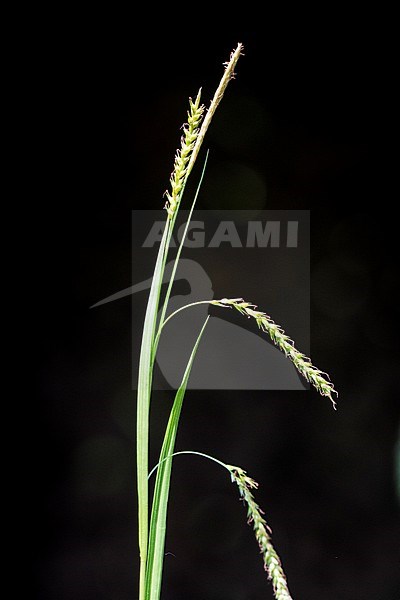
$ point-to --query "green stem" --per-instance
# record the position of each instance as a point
(143, 406)
(158, 520)
(219, 462)
(162, 324)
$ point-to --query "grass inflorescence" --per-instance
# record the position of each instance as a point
(183, 154)
(272, 562)
(313, 375)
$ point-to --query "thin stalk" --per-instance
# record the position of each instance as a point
(219, 462)
(162, 324)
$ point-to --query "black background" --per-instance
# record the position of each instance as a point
(311, 112)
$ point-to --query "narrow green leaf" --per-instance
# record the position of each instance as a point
(161, 492)
(143, 404)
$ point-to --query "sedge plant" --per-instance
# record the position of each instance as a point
(152, 519)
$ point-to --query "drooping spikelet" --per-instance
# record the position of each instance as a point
(182, 157)
(302, 363)
(272, 562)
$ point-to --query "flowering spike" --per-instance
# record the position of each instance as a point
(183, 154)
(272, 562)
(317, 378)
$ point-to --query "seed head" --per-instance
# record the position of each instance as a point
(183, 154)
(272, 562)
(317, 378)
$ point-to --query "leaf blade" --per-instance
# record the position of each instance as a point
(143, 405)
(155, 557)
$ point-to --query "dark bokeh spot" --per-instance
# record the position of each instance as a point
(229, 185)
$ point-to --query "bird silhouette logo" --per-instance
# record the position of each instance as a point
(229, 357)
